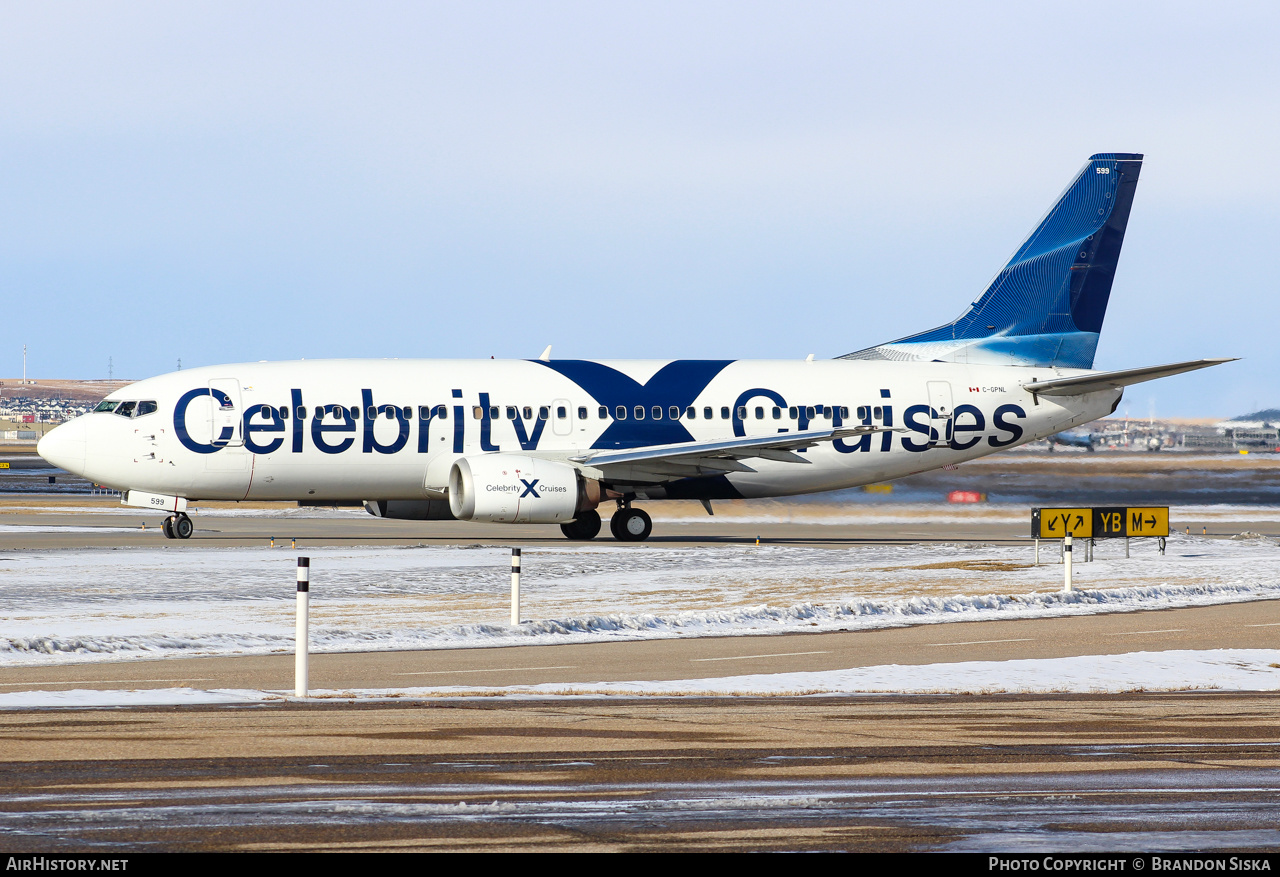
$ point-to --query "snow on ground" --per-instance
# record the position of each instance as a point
(80, 605)
(1219, 670)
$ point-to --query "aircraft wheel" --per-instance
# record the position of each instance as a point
(586, 526)
(631, 525)
(167, 527)
(182, 527)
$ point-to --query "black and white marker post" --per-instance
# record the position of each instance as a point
(1066, 562)
(301, 643)
(515, 587)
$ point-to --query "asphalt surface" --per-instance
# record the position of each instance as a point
(1069, 773)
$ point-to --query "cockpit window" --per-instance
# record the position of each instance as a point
(126, 409)
(148, 407)
(107, 405)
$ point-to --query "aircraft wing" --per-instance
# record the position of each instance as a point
(694, 459)
(1092, 383)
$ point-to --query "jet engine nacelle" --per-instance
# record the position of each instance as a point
(515, 489)
(409, 509)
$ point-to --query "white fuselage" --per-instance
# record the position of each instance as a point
(234, 432)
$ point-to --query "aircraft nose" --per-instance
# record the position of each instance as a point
(64, 446)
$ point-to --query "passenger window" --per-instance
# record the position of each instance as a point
(442, 412)
(407, 411)
(656, 412)
(879, 412)
(301, 412)
(528, 413)
(724, 412)
(621, 412)
(793, 412)
(561, 412)
(582, 412)
(264, 410)
(862, 412)
(674, 413)
(511, 412)
(826, 412)
(759, 412)
(844, 412)
(639, 412)
(603, 413)
(777, 413)
(126, 409)
(355, 413)
(372, 413)
(809, 413)
(706, 413)
(543, 412)
(493, 412)
(691, 413)
(742, 412)
(424, 413)
(284, 412)
(149, 407)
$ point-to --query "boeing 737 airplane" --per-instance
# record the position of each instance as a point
(551, 441)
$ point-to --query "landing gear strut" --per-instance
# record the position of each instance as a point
(178, 526)
(630, 525)
(584, 527)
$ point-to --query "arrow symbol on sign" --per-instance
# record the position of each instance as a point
(1151, 520)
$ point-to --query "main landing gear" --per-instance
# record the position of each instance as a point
(584, 527)
(630, 525)
(178, 526)
(627, 525)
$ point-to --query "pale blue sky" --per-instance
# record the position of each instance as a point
(238, 181)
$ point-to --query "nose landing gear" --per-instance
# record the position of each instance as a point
(178, 526)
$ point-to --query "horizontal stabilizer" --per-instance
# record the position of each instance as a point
(1092, 383)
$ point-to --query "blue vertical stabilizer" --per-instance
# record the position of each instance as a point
(1045, 308)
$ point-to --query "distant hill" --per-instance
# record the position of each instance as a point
(84, 391)
(1265, 414)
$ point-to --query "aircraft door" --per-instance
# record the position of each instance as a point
(940, 412)
(228, 414)
(561, 417)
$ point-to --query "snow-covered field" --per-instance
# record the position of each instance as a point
(78, 605)
(96, 604)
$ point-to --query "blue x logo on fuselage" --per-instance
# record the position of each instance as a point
(528, 488)
(676, 385)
